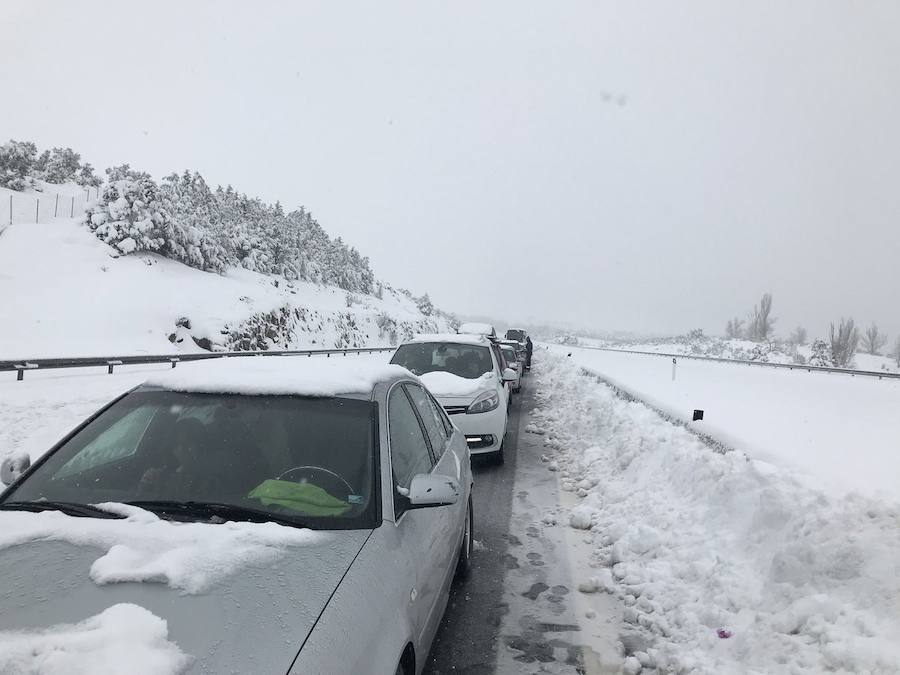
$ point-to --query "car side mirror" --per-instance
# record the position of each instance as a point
(427, 490)
(514, 366)
(509, 375)
(13, 467)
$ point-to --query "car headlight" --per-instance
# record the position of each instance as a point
(485, 402)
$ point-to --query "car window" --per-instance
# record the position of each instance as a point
(442, 414)
(433, 425)
(409, 449)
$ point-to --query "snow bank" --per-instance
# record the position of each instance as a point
(811, 423)
(448, 384)
(724, 564)
(190, 557)
(123, 638)
(275, 375)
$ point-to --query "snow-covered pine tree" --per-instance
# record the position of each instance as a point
(129, 214)
(17, 160)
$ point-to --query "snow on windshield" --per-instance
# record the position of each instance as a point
(122, 638)
(189, 557)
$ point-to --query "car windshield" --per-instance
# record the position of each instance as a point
(509, 354)
(463, 360)
(304, 460)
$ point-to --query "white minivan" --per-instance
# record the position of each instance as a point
(466, 374)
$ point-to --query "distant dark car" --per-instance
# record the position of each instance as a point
(517, 335)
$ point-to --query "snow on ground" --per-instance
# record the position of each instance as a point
(738, 349)
(725, 564)
(122, 638)
(65, 294)
(189, 557)
(41, 409)
(839, 432)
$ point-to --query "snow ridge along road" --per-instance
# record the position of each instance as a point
(835, 433)
(724, 564)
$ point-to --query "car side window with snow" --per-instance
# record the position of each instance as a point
(409, 449)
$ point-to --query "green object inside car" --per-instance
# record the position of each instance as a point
(303, 497)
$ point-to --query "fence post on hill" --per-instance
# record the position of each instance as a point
(37, 210)
(10, 209)
(72, 209)
(56, 206)
(674, 363)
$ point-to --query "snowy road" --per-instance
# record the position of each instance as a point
(520, 611)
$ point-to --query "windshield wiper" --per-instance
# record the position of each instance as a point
(69, 508)
(209, 510)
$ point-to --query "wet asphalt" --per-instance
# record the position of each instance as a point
(468, 638)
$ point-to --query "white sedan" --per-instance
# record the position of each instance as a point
(255, 515)
(467, 374)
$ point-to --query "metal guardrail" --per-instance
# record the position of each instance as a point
(110, 362)
(789, 366)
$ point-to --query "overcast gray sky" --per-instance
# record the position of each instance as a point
(645, 166)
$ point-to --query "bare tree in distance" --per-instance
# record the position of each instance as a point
(844, 343)
(734, 328)
(873, 340)
(799, 336)
(761, 322)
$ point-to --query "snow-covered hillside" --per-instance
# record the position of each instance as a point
(65, 293)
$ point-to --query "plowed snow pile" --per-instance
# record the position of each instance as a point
(725, 564)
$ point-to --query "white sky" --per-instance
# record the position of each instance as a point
(641, 166)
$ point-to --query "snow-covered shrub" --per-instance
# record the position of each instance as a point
(129, 213)
(820, 353)
(844, 343)
(387, 327)
(425, 305)
(17, 160)
(59, 165)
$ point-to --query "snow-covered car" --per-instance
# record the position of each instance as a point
(252, 515)
(516, 334)
(467, 375)
(513, 362)
(473, 328)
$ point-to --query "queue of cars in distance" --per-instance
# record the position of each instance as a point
(362, 455)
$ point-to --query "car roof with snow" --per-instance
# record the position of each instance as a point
(280, 376)
(457, 338)
(477, 328)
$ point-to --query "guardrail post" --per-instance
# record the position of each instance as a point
(21, 368)
(174, 361)
(110, 365)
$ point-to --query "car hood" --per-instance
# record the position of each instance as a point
(453, 390)
(252, 621)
